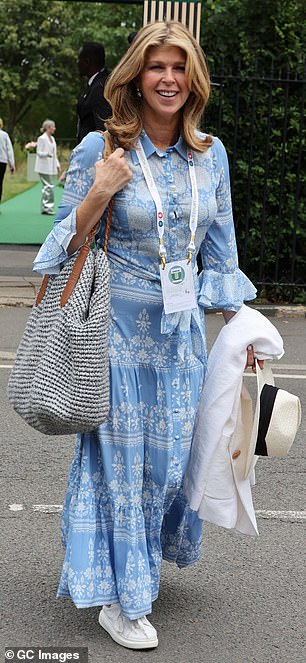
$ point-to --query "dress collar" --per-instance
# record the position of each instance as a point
(149, 148)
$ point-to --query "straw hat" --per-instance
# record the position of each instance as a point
(276, 420)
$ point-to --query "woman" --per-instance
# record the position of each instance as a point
(125, 509)
(47, 165)
(6, 155)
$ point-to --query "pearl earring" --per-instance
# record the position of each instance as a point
(139, 94)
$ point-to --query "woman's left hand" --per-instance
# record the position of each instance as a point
(251, 359)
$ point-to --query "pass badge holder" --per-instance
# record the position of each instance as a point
(177, 286)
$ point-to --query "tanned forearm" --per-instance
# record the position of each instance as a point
(227, 315)
(88, 214)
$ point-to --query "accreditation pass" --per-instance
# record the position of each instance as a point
(177, 286)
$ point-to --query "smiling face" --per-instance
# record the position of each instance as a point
(163, 83)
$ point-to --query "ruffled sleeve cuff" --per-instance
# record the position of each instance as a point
(225, 291)
(53, 253)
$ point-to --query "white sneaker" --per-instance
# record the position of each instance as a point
(131, 633)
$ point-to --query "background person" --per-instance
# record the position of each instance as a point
(92, 107)
(125, 508)
(47, 165)
(6, 155)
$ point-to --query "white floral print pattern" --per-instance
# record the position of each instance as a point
(125, 509)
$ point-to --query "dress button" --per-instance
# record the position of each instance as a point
(174, 357)
(236, 454)
(176, 410)
(176, 437)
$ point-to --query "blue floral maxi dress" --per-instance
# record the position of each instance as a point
(125, 509)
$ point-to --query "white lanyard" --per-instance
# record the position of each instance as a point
(194, 212)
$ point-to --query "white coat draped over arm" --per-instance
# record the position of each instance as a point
(215, 483)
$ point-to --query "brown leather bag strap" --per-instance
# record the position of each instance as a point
(42, 290)
(108, 150)
(77, 268)
(80, 260)
(108, 224)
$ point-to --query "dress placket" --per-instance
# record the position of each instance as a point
(172, 209)
(175, 473)
(176, 458)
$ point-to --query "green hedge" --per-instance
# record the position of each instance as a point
(265, 131)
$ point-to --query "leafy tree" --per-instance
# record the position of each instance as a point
(33, 54)
(38, 49)
(109, 24)
(244, 29)
(39, 77)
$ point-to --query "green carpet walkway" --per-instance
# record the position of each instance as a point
(20, 218)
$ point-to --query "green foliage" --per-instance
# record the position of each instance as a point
(19, 154)
(33, 55)
(39, 79)
(264, 28)
(253, 43)
(109, 24)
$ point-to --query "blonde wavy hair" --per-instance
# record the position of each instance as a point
(121, 88)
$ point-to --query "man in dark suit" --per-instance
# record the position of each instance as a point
(92, 107)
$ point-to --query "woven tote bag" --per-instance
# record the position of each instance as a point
(59, 383)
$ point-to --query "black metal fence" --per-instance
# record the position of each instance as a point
(259, 116)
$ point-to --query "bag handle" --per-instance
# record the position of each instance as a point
(80, 260)
(264, 375)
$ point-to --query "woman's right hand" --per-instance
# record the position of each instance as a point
(111, 175)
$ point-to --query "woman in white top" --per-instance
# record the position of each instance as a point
(47, 165)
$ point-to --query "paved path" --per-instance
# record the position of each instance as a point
(244, 602)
